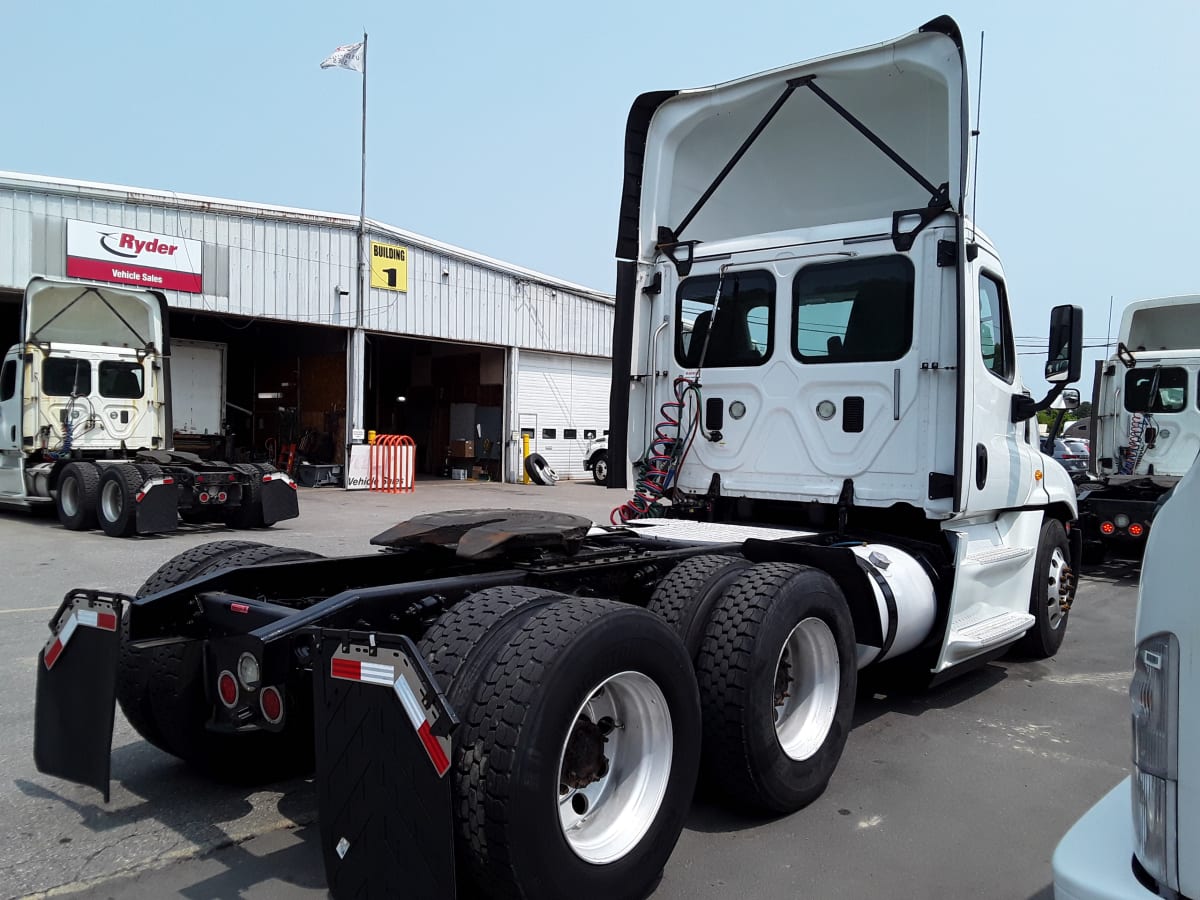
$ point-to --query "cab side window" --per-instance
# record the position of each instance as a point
(995, 332)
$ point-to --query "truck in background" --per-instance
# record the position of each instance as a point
(1138, 842)
(1145, 426)
(815, 375)
(86, 421)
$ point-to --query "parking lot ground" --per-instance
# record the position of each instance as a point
(962, 791)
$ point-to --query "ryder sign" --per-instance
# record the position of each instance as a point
(124, 256)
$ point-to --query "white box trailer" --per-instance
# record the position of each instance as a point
(198, 386)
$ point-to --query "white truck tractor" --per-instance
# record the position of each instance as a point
(1145, 424)
(814, 376)
(85, 421)
(1139, 841)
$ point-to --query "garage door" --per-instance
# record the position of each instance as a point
(562, 402)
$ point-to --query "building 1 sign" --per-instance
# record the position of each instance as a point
(389, 267)
(124, 256)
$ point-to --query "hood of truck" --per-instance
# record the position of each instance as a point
(76, 312)
(808, 165)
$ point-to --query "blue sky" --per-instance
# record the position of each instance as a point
(499, 127)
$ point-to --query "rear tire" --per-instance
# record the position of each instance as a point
(165, 693)
(684, 599)
(588, 708)
(248, 513)
(777, 674)
(116, 503)
(1052, 584)
(76, 499)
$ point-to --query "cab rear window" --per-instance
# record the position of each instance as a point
(63, 376)
(858, 311)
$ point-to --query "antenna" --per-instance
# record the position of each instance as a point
(975, 137)
(1108, 331)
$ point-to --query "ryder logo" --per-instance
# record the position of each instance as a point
(126, 242)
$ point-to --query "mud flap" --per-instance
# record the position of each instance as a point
(158, 508)
(383, 750)
(278, 498)
(77, 689)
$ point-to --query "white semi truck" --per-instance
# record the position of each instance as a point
(837, 468)
(1139, 841)
(1145, 426)
(86, 421)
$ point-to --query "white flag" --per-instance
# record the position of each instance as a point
(349, 56)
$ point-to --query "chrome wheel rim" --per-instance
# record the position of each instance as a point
(806, 688)
(68, 495)
(111, 501)
(1058, 590)
(614, 767)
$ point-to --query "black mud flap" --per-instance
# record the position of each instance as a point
(279, 498)
(383, 751)
(77, 689)
(158, 508)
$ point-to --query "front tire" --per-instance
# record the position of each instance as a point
(777, 673)
(580, 755)
(1049, 599)
(600, 469)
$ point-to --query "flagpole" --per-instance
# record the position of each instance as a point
(362, 208)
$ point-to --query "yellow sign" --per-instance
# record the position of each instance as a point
(389, 267)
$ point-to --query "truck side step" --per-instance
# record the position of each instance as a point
(985, 626)
(999, 556)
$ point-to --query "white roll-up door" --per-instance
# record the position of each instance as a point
(562, 401)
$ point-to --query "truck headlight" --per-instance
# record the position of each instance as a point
(1154, 697)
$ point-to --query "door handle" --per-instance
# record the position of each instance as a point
(981, 464)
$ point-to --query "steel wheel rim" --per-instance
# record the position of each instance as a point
(604, 820)
(806, 688)
(1058, 589)
(111, 501)
(601, 469)
(68, 495)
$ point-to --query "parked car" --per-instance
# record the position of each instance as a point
(1070, 457)
(595, 459)
(1082, 448)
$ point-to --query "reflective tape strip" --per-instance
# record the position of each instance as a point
(416, 715)
(52, 652)
(93, 618)
(408, 700)
(357, 670)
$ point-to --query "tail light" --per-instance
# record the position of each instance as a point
(271, 704)
(1136, 530)
(222, 497)
(204, 498)
(227, 689)
(1107, 527)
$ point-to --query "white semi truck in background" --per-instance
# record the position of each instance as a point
(1140, 841)
(815, 379)
(1145, 425)
(86, 421)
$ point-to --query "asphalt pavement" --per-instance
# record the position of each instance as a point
(961, 791)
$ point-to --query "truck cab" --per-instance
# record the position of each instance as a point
(818, 335)
(1134, 843)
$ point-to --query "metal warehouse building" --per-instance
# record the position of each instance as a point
(272, 349)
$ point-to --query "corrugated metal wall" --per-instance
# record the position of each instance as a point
(289, 265)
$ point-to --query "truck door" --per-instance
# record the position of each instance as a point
(11, 479)
(997, 462)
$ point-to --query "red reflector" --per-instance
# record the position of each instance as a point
(204, 498)
(239, 608)
(271, 704)
(141, 495)
(227, 688)
(232, 477)
(200, 478)
(168, 480)
(1137, 530)
(1107, 527)
(222, 497)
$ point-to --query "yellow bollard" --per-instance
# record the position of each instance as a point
(371, 437)
(524, 456)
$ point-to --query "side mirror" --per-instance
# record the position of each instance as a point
(1068, 399)
(1065, 356)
